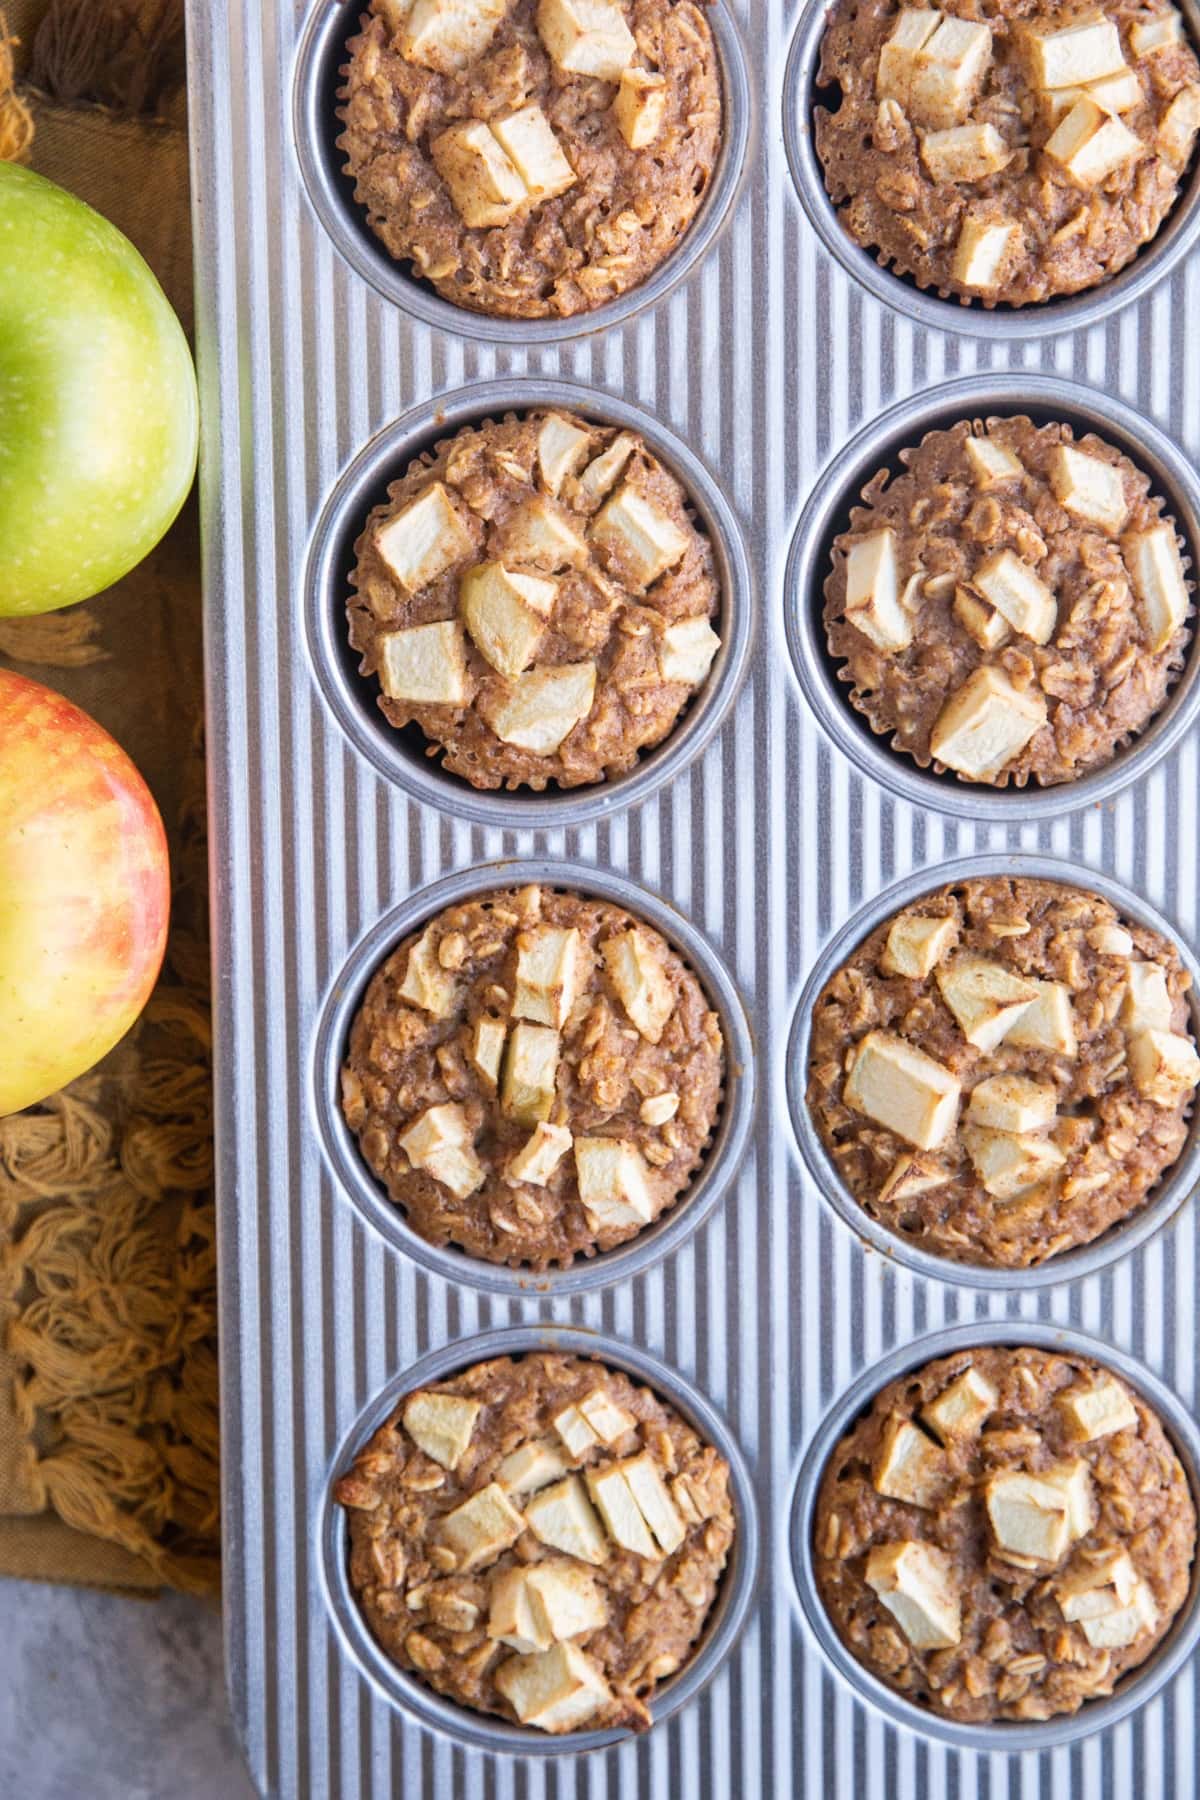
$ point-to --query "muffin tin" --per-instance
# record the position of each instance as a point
(753, 836)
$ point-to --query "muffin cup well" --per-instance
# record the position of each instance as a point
(479, 1730)
(1177, 235)
(316, 128)
(1071, 1265)
(1044, 399)
(401, 756)
(1095, 1715)
(721, 1159)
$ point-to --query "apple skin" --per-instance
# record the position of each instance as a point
(85, 892)
(98, 408)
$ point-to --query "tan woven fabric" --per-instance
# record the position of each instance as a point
(108, 1374)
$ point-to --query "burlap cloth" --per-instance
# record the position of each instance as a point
(108, 1373)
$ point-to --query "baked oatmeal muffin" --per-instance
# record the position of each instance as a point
(535, 596)
(539, 1539)
(1012, 607)
(531, 158)
(1006, 150)
(1004, 1069)
(1005, 1534)
(534, 1076)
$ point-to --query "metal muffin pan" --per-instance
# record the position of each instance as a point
(404, 1690)
(827, 513)
(721, 1161)
(1018, 324)
(1173, 1190)
(316, 128)
(1139, 1686)
(401, 756)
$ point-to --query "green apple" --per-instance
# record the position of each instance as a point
(98, 412)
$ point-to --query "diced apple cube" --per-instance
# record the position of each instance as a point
(1111, 940)
(562, 446)
(1010, 1164)
(505, 614)
(487, 1047)
(446, 35)
(1080, 53)
(873, 592)
(686, 650)
(512, 1616)
(1089, 143)
(646, 540)
(1089, 487)
(1028, 1515)
(916, 943)
(1116, 93)
(539, 1156)
(425, 538)
(654, 1502)
(640, 106)
(562, 1517)
(540, 532)
(1157, 31)
(602, 473)
(1146, 1005)
(1013, 1103)
(636, 972)
(986, 724)
(557, 1690)
(441, 1425)
(485, 185)
(548, 973)
(439, 1141)
(1019, 594)
(482, 1528)
(1179, 124)
(531, 1467)
(1096, 1408)
(425, 664)
(1048, 1023)
(961, 1408)
(529, 143)
(586, 37)
(566, 1599)
(530, 1069)
(909, 1178)
(620, 1511)
(544, 706)
(1164, 1066)
(1158, 581)
(614, 1186)
(1073, 1479)
(575, 1431)
(1116, 1630)
(986, 999)
(897, 60)
(898, 1086)
(989, 628)
(983, 249)
(964, 152)
(914, 1582)
(948, 72)
(608, 1420)
(1097, 1587)
(911, 1468)
(992, 463)
(426, 984)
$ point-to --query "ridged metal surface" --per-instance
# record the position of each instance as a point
(764, 362)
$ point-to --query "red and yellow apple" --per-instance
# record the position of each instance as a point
(84, 892)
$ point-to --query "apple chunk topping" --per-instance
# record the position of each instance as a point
(1146, 1004)
(440, 1142)
(640, 980)
(425, 664)
(446, 35)
(506, 614)
(441, 1425)
(948, 71)
(984, 249)
(644, 540)
(534, 151)
(1037, 1517)
(549, 968)
(1018, 594)
(614, 1183)
(543, 706)
(1164, 1066)
(426, 984)
(873, 592)
(992, 463)
(1158, 582)
(914, 1582)
(898, 58)
(557, 1690)
(961, 1408)
(1096, 1408)
(1090, 143)
(1089, 487)
(901, 1088)
(1108, 1600)
(986, 724)
(686, 650)
(916, 943)
(911, 1467)
(1079, 54)
(989, 628)
(563, 1518)
(535, 1465)
(561, 447)
(493, 170)
(425, 538)
(586, 37)
(482, 1528)
(640, 106)
(539, 1156)
(964, 152)
(1010, 1164)
(530, 1071)
(986, 999)
(1012, 1103)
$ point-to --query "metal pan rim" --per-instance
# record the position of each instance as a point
(840, 482)
(1173, 241)
(355, 1182)
(319, 54)
(350, 697)
(1137, 1688)
(402, 1690)
(1073, 1265)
